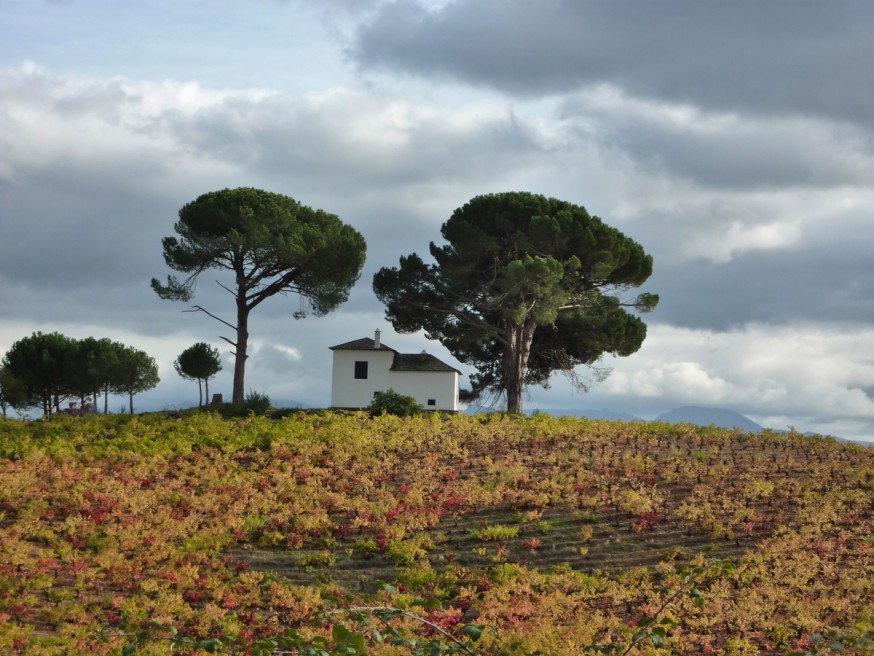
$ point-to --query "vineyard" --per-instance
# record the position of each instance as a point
(550, 536)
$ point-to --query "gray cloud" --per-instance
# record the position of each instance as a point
(756, 223)
(798, 57)
(720, 150)
(95, 211)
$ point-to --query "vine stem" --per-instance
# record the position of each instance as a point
(412, 616)
(688, 583)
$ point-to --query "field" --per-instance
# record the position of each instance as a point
(554, 536)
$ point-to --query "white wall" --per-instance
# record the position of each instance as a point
(349, 392)
(442, 386)
(346, 390)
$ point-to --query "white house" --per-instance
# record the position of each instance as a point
(366, 366)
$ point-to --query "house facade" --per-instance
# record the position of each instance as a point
(365, 366)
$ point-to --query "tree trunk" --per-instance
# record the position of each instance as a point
(131, 394)
(238, 393)
(206, 384)
(199, 393)
(516, 364)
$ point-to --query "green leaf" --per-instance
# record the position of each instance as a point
(473, 631)
(388, 614)
(644, 621)
(210, 645)
(129, 650)
(432, 604)
(640, 635)
(350, 641)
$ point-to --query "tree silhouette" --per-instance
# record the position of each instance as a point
(525, 286)
(199, 362)
(271, 244)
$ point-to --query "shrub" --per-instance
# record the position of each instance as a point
(256, 403)
(392, 403)
(495, 533)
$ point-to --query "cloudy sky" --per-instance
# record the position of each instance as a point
(734, 140)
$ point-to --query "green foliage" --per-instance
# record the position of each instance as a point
(390, 402)
(50, 368)
(495, 533)
(137, 372)
(525, 286)
(38, 363)
(351, 629)
(256, 403)
(13, 392)
(271, 244)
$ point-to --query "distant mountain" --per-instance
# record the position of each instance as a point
(289, 404)
(588, 413)
(604, 413)
(690, 414)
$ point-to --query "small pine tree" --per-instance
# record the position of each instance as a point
(199, 362)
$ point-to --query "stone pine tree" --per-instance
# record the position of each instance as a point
(525, 286)
(270, 244)
(41, 364)
(199, 362)
(13, 392)
(137, 372)
(42, 370)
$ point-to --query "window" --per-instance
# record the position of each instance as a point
(361, 369)
(432, 401)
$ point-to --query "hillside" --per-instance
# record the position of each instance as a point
(553, 534)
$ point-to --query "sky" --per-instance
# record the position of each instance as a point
(734, 140)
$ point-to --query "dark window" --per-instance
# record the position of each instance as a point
(361, 369)
(432, 402)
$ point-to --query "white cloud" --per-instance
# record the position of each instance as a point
(798, 374)
(688, 379)
(755, 207)
(737, 238)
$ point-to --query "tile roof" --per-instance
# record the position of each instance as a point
(419, 362)
(402, 361)
(363, 344)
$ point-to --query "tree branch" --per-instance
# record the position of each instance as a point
(413, 616)
(198, 308)
(272, 288)
(227, 289)
(234, 344)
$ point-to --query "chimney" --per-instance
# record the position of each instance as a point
(376, 339)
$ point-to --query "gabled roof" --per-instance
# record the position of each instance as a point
(363, 344)
(402, 361)
(419, 362)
